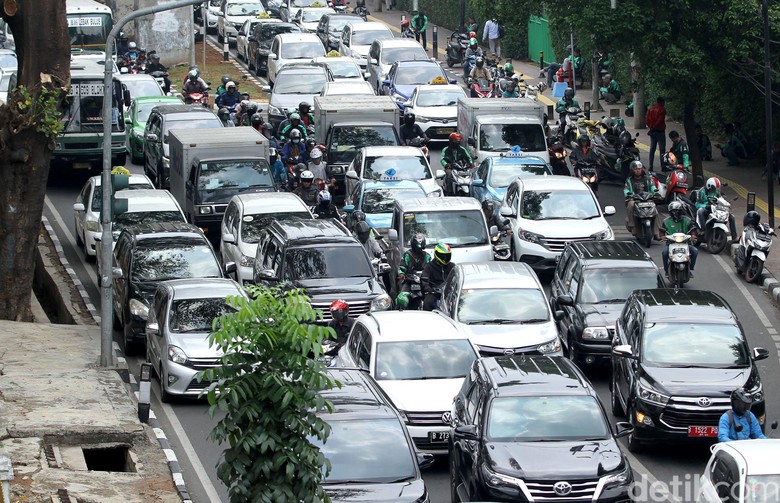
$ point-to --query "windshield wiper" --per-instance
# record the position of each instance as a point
(591, 217)
(496, 321)
(608, 301)
(534, 320)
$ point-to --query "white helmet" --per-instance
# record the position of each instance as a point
(307, 176)
(316, 153)
(132, 45)
(323, 196)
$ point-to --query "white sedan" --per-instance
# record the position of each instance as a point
(436, 109)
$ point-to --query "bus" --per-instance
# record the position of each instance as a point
(89, 23)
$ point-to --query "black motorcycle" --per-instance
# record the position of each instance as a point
(588, 173)
(456, 49)
(361, 10)
(617, 150)
(645, 217)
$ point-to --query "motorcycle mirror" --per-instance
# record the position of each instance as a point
(773, 425)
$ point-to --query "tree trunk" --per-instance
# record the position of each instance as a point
(689, 124)
(639, 94)
(43, 51)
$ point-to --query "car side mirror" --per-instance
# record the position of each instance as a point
(366, 75)
(265, 275)
(151, 137)
(477, 182)
(273, 56)
(623, 429)
(116, 273)
(78, 207)
(392, 235)
(228, 238)
(126, 97)
(471, 142)
(386, 82)
(230, 268)
(493, 231)
(352, 175)
(453, 81)
(266, 89)
(506, 211)
(440, 174)
(467, 432)
(760, 354)
(609, 211)
(350, 208)
(624, 351)
(425, 460)
(564, 300)
(558, 315)
(153, 328)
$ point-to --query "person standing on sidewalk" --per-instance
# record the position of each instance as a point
(493, 36)
(420, 25)
(656, 121)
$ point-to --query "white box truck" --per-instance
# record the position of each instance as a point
(210, 166)
(492, 126)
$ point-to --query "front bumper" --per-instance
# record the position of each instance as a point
(438, 130)
(185, 382)
(601, 351)
(209, 224)
(421, 440)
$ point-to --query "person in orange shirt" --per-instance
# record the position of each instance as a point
(656, 123)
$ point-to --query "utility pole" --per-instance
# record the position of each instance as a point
(770, 176)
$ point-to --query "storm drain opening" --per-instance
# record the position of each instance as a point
(109, 459)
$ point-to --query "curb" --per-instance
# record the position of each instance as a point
(767, 280)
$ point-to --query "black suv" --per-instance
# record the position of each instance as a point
(676, 357)
(590, 286)
(331, 26)
(147, 254)
(363, 413)
(157, 160)
(531, 428)
(321, 257)
(259, 42)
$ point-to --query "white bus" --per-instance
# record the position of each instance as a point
(89, 23)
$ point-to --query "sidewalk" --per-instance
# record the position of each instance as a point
(736, 181)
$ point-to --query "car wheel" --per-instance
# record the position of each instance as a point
(165, 397)
(90, 258)
(130, 346)
(634, 445)
(617, 409)
(79, 241)
(454, 482)
(574, 354)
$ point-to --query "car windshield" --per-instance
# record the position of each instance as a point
(251, 225)
(190, 124)
(423, 359)
(303, 3)
(234, 175)
(382, 200)
(314, 15)
(762, 488)
(144, 110)
(612, 285)
(503, 174)
(416, 75)
(456, 228)
(172, 259)
(393, 167)
(392, 54)
(344, 69)
(337, 23)
(196, 315)
(501, 137)
(143, 217)
(502, 305)
(546, 418)
(245, 9)
(301, 50)
(347, 140)
(439, 98)
(269, 31)
(368, 36)
(97, 195)
(353, 446)
(297, 83)
(706, 345)
(558, 205)
(327, 262)
(145, 87)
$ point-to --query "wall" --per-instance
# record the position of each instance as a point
(168, 32)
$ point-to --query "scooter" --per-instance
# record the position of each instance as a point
(567, 131)
(416, 296)
(456, 49)
(406, 29)
(679, 259)
(340, 7)
(481, 89)
(645, 217)
(716, 228)
(617, 149)
(469, 65)
(459, 182)
(678, 184)
(501, 249)
(558, 159)
(361, 10)
(753, 250)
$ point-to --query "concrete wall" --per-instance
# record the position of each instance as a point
(168, 32)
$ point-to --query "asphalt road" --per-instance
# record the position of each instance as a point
(187, 424)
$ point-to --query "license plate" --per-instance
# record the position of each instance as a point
(82, 165)
(702, 431)
(415, 288)
(444, 130)
(443, 436)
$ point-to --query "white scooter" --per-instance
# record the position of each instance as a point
(752, 251)
(679, 259)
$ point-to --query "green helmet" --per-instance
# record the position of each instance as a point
(508, 68)
(473, 42)
(402, 300)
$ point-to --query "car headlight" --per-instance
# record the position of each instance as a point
(650, 395)
(273, 110)
(436, 193)
(205, 210)
(246, 261)
(138, 308)
(621, 478)
(176, 355)
(550, 347)
(91, 225)
(381, 303)
(498, 479)
(531, 237)
(595, 333)
(336, 170)
(166, 162)
(757, 392)
(603, 235)
(420, 118)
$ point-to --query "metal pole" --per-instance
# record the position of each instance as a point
(463, 16)
(106, 295)
(541, 60)
(204, 29)
(435, 42)
(770, 176)
(192, 38)
(572, 80)
(226, 49)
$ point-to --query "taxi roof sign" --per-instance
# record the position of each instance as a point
(515, 151)
(333, 54)
(438, 80)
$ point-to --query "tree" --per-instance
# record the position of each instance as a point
(29, 124)
(267, 388)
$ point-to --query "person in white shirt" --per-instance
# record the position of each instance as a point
(490, 32)
(316, 164)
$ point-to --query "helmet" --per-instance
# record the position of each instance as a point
(582, 139)
(713, 183)
(132, 45)
(740, 401)
(256, 119)
(568, 93)
(315, 154)
(417, 243)
(675, 210)
(402, 300)
(488, 205)
(472, 36)
(473, 42)
(303, 104)
(442, 253)
(310, 142)
(300, 168)
(323, 197)
(752, 218)
(339, 309)
(456, 137)
(226, 79)
(509, 69)
(251, 108)
(480, 62)
(154, 57)
(230, 84)
(637, 165)
(409, 118)
(307, 176)
(359, 216)
(670, 158)
(267, 126)
(295, 135)
(223, 113)
(363, 231)
(295, 116)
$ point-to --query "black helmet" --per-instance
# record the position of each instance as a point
(740, 401)
(363, 231)
(752, 218)
(409, 118)
(251, 109)
(359, 216)
(480, 62)
(225, 79)
(295, 134)
(154, 57)
(488, 205)
(675, 210)
(256, 119)
(303, 104)
(583, 138)
(267, 126)
(568, 93)
(417, 243)
(223, 113)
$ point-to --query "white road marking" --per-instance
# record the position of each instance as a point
(744, 291)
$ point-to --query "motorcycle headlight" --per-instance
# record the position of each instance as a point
(273, 110)
(381, 303)
(595, 333)
(603, 235)
(176, 355)
(138, 308)
(621, 478)
(205, 210)
(246, 261)
(648, 394)
(91, 225)
(549, 347)
(531, 237)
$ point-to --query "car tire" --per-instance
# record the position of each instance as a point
(634, 445)
(573, 353)
(165, 397)
(90, 259)
(79, 241)
(130, 346)
(454, 496)
(617, 409)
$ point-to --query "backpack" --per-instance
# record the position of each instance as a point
(501, 31)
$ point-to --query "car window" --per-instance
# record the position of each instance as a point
(502, 305)
(365, 37)
(612, 285)
(724, 475)
(416, 75)
(558, 205)
(355, 338)
(546, 418)
(560, 268)
(270, 254)
(456, 228)
(165, 260)
(230, 216)
(423, 359)
(364, 349)
(450, 292)
(511, 197)
(567, 275)
(482, 171)
(471, 403)
(502, 137)
(708, 345)
(196, 315)
(308, 263)
(576, 277)
(345, 38)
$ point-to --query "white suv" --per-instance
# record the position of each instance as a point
(741, 471)
(546, 212)
(420, 359)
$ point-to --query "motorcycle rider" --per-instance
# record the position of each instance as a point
(414, 259)
(155, 66)
(479, 72)
(492, 217)
(409, 130)
(295, 125)
(363, 234)
(473, 50)
(680, 150)
(132, 52)
(558, 159)
(293, 149)
(230, 98)
(636, 183)
(434, 274)
(222, 88)
(511, 90)
(739, 423)
(341, 323)
(306, 190)
(194, 84)
(585, 154)
(277, 170)
(677, 222)
(304, 110)
(224, 116)
(701, 198)
(454, 152)
(509, 70)
(325, 207)
(564, 104)
(256, 121)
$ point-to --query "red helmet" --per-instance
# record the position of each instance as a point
(339, 309)
(456, 137)
(404, 23)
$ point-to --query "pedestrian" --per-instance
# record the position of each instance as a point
(656, 121)
(703, 141)
(733, 149)
(472, 25)
(420, 26)
(492, 33)
(611, 91)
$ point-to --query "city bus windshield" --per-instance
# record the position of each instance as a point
(89, 30)
(84, 108)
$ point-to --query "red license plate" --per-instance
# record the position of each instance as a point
(702, 431)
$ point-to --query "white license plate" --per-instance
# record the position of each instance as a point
(438, 436)
(82, 165)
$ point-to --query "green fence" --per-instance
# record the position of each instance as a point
(539, 40)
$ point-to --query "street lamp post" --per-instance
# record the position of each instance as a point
(770, 175)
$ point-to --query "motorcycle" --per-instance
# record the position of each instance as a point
(679, 258)
(159, 76)
(416, 296)
(587, 172)
(361, 10)
(456, 49)
(458, 181)
(645, 217)
(340, 7)
(406, 29)
(420, 143)
(199, 98)
(678, 184)
(469, 65)
(558, 159)
(568, 129)
(616, 148)
(752, 251)
(716, 228)
(501, 249)
(481, 88)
